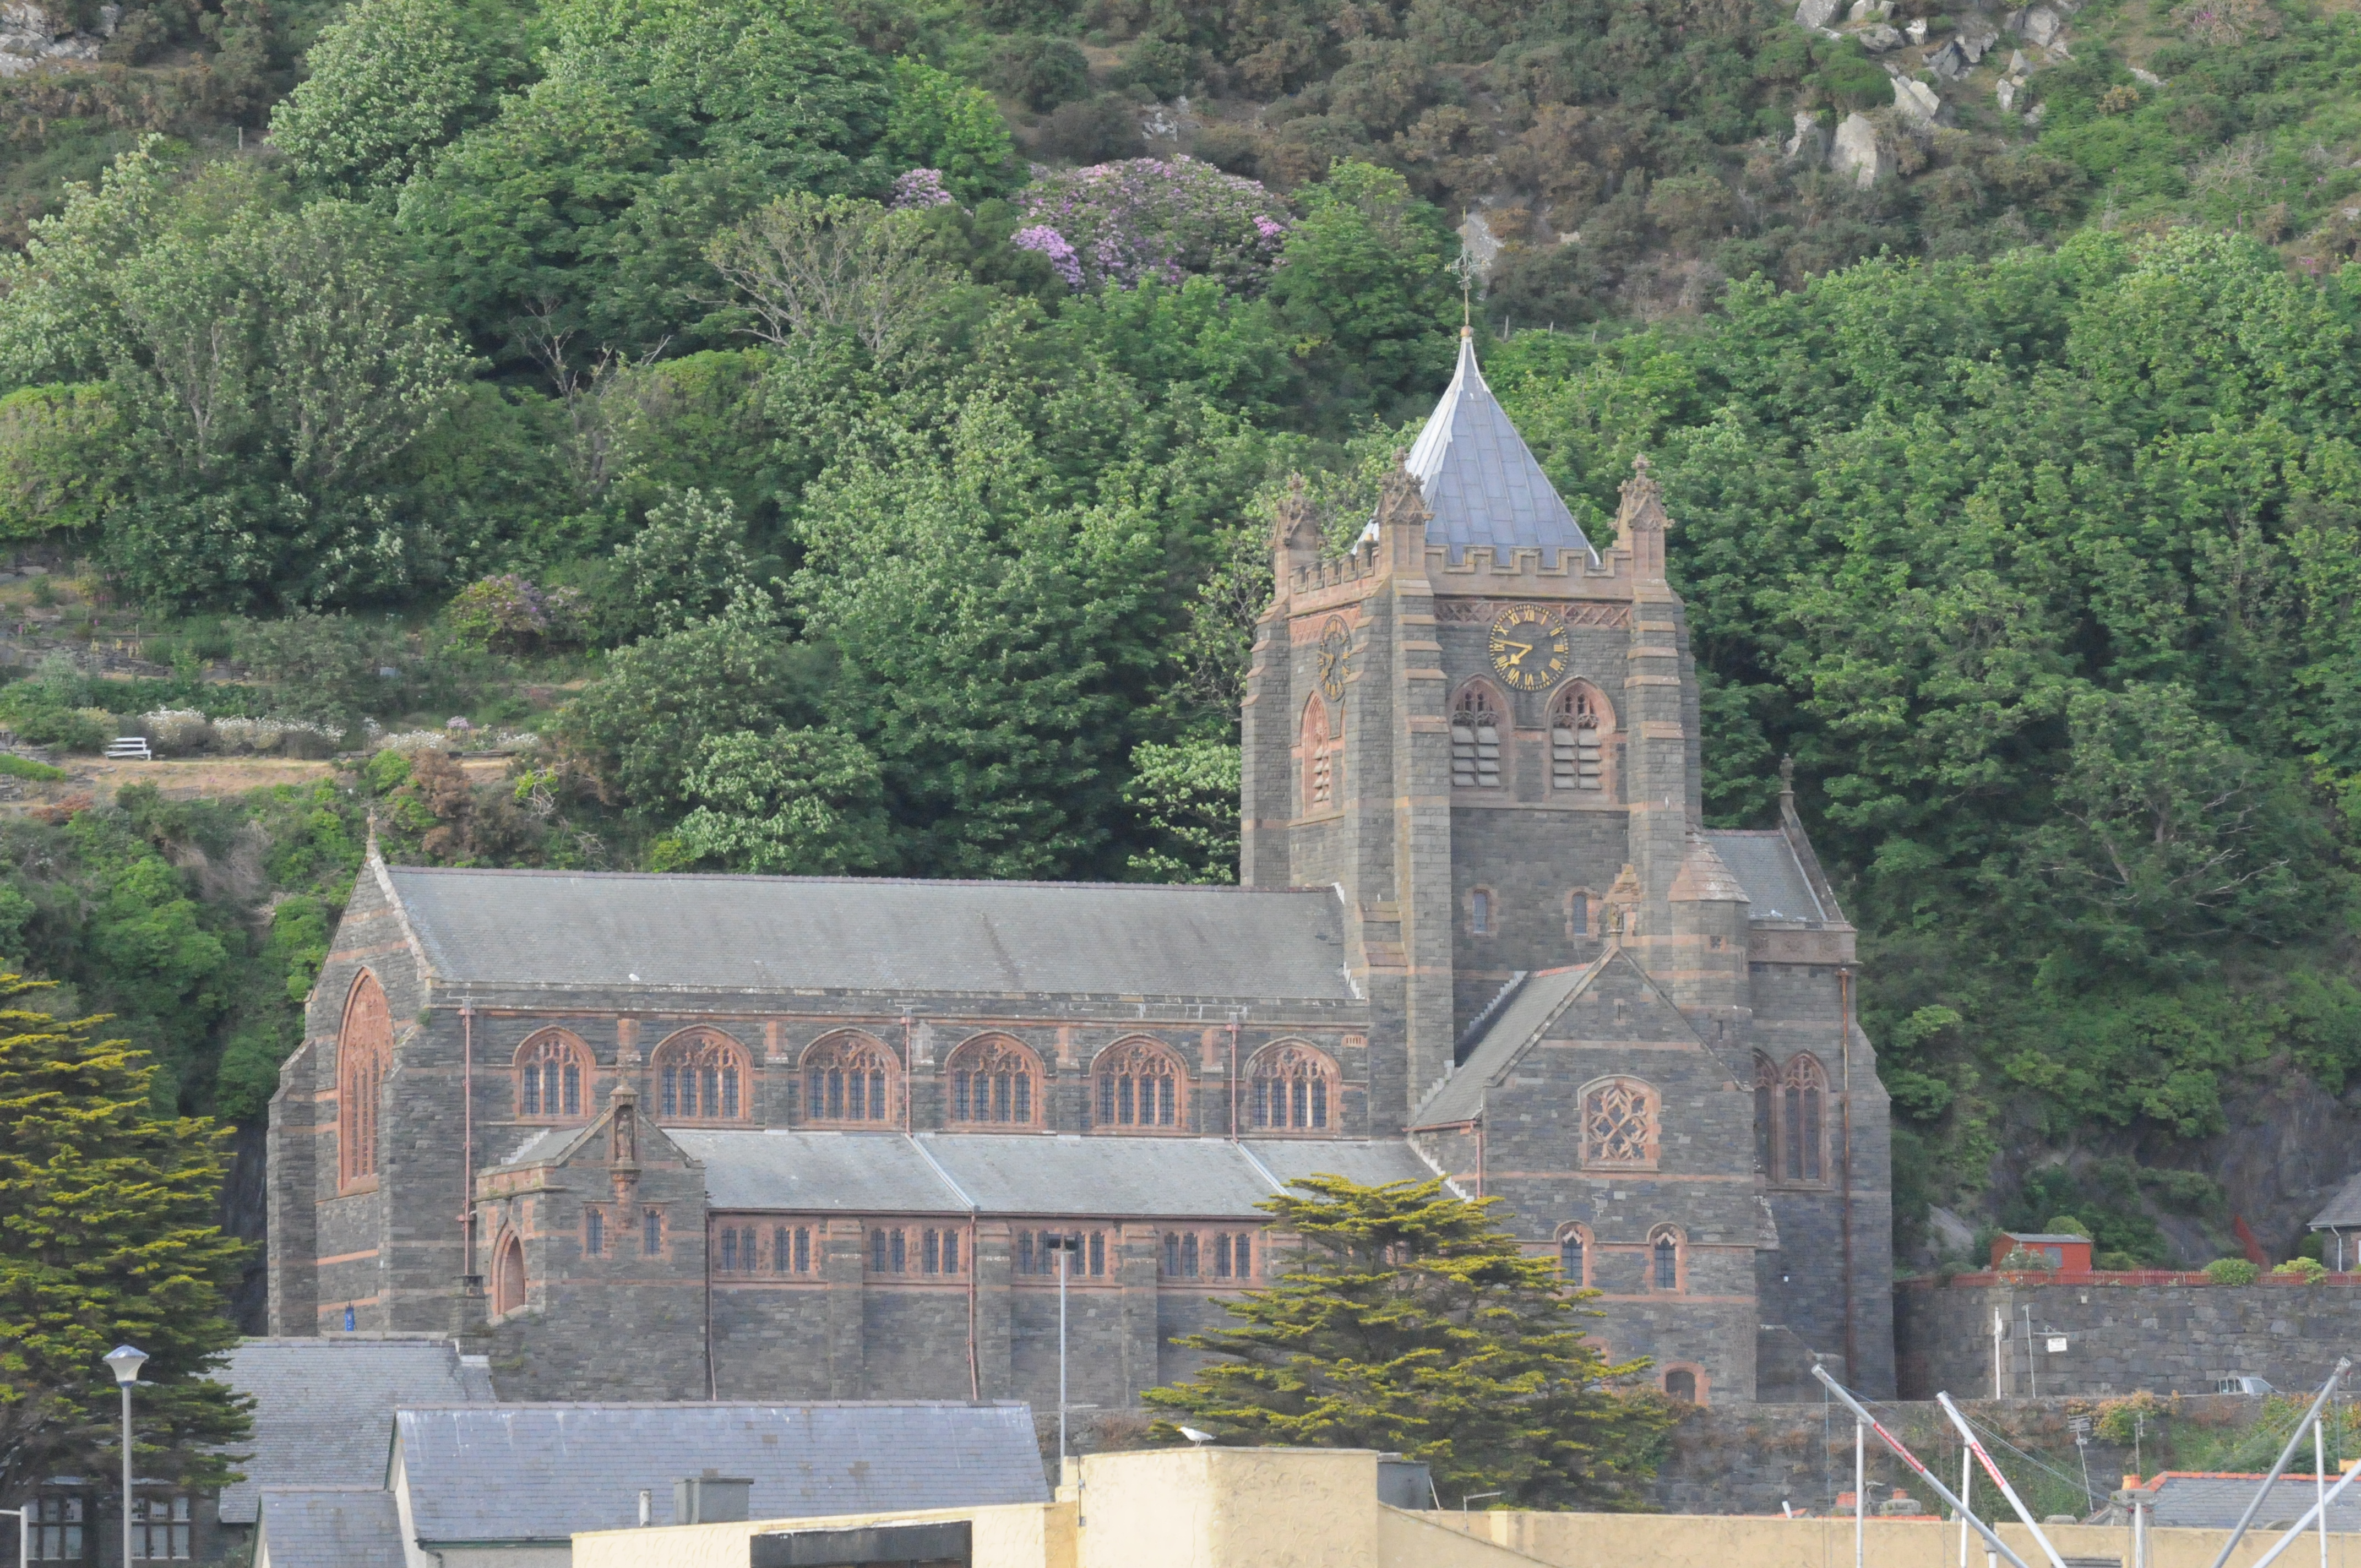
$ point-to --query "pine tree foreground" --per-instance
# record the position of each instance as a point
(107, 1236)
(1409, 1322)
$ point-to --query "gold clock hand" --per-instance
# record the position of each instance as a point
(1521, 649)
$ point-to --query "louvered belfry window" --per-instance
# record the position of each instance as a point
(1475, 725)
(1577, 752)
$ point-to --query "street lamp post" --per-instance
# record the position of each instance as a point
(1067, 1246)
(24, 1533)
(125, 1363)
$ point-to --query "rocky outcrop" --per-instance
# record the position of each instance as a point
(1856, 152)
(1916, 100)
(1809, 145)
(30, 36)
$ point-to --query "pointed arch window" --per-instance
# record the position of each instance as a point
(508, 1277)
(1618, 1125)
(1292, 1088)
(995, 1081)
(1665, 1258)
(1573, 1255)
(1323, 759)
(850, 1080)
(1478, 718)
(553, 1077)
(1140, 1084)
(701, 1076)
(364, 1049)
(1579, 720)
(1791, 1120)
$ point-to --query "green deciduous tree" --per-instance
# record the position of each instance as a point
(107, 1235)
(797, 803)
(391, 83)
(990, 638)
(1186, 800)
(939, 122)
(1363, 291)
(1410, 1321)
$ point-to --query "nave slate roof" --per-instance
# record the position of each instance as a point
(1004, 1174)
(750, 934)
(1479, 478)
(515, 1473)
(320, 1407)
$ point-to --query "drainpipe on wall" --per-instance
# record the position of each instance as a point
(467, 1141)
(1844, 1033)
(910, 1073)
(1233, 1077)
(712, 1391)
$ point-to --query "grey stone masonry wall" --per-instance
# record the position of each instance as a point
(2119, 1338)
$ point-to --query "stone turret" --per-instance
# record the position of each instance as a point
(1702, 961)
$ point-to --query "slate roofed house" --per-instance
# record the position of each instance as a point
(2342, 1217)
(802, 1138)
(513, 1483)
(2216, 1499)
(322, 1407)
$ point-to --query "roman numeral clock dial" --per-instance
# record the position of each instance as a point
(1529, 647)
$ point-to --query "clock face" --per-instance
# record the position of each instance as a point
(1529, 647)
(1336, 647)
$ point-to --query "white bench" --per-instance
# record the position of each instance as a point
(131, 748)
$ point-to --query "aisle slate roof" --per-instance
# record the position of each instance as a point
(320, 1407)
(349, 1527)
(1479, 477)
(748, 933)
(514, 1472)
(1538, 1000)
(1765, 863)
(1024, 1174)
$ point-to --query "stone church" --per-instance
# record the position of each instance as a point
(687, 1136)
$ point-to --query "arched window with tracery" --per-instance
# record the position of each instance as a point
(364, 1051)
(1292, 1088)
(1579, 720)
(701, 1076)
(1618, 1125)
(508, 1275)
(1574, 1254)
(995, 1081)
(1140, 1084)
(1798, 1134)
(1665, 1257)
(1478, 718)
(850, 1081)
(552, 1073)
(1323, 759)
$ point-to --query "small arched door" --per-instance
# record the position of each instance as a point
(508, 1277)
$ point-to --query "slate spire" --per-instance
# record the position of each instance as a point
(1480, 479)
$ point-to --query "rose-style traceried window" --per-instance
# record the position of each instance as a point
(995, 1081)
(553, 1077)
(1140, 1084)
(1291, 1087)
(1618, 1125)
(364, 1051)
(701, 1076)
(850, 1081)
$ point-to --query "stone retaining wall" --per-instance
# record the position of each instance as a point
(2093, 1336)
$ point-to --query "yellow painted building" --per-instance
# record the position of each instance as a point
(1296, 1507)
